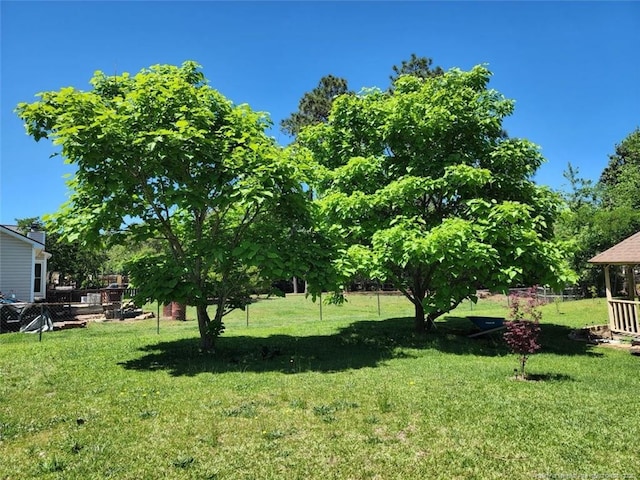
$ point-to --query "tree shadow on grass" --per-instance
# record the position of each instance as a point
(363, 344)
(553, 338)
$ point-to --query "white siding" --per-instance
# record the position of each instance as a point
(16, 267)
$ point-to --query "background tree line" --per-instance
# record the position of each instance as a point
(597, 215)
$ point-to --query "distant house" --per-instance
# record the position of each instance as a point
(23, 264)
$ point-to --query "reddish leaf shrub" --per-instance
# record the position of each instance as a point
(523, 329)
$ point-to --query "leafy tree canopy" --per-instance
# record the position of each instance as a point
(426, 192)
(76, 263)
(620, 180)
(163, 155)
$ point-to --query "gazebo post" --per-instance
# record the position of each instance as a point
(631, 282)
(607, 284)
(633, 296)
(631, 287)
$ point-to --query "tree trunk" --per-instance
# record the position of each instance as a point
(422, 323)
(216, 324)
(206, 337)
(419, 322)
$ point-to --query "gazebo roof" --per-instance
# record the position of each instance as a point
(627, 252)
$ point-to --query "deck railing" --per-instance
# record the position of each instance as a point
(624, 316)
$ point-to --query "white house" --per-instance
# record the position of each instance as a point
(23, 264)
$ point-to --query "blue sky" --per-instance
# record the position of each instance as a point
(572, 67)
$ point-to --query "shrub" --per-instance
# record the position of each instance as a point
(524, 327)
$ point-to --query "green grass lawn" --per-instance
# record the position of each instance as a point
(288, 396)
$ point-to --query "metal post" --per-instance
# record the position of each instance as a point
(378, 295)
(41, 325)
(320, 306)
(247, 311)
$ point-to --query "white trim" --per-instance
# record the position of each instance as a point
(33, 274)
(41, 293)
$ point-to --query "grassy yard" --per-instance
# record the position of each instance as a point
(288, 396)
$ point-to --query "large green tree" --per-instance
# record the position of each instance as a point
(163, 155)
(426, 192)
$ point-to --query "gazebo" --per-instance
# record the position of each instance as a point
(624, 313)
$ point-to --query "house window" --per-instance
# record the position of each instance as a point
(37, 279)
